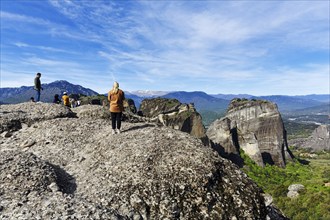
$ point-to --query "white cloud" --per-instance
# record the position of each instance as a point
(10, 78)
(7, 16)
(43, 48)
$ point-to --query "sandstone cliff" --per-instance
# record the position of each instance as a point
(255, 127)
(58, 167)
(173, 114)
(320, 139)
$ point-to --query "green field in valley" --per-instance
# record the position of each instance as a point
(313, 202)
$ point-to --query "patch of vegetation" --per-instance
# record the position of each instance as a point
(186, 114)
(210, 116)
(170, 103)
(239, 103)
(96, 99)
(312, 203)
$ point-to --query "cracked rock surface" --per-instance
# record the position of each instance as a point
(73, 168)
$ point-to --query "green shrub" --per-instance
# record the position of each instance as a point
(326, 175)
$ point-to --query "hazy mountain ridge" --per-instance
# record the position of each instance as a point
(290, 103)
(317, 110)
(231, 96)
(24, 93)
(137, 99)
(316, 97)
(202, 101)
(148, 93)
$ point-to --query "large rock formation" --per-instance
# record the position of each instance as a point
(173, 114)
(254, 126)
(320, 139)
(73, 168)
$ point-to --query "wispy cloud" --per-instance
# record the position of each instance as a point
(43, 48)
(5, 16)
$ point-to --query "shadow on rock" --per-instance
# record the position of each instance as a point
(235, 158)
(66, 182)
(140, 127)
(304, 162)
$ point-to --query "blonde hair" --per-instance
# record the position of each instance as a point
(115, 88)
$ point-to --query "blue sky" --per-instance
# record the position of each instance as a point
(228, 47)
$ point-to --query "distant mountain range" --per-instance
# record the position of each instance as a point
(320, 98)
(24, 93)
(203, 102)
(290, 103)
(232, 96)
(147, 93)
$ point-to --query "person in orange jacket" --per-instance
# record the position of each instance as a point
(116, 98)
(66, 100)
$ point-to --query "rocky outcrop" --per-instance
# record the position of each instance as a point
(320, 139)
(75, 169)
(129, 106)
(13, 117)
(173, 114)
(92, 112)
(255, 127)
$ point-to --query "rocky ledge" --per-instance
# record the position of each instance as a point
(73, 168)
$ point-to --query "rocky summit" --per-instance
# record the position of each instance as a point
(57, 164)
(176, 115)
(319, 140)
(254, 126)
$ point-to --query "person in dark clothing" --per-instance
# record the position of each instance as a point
(37, 86)
(57, 99)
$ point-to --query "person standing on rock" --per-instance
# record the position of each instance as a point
(116, 97)
(37, 86)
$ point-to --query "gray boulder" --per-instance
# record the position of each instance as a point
(294, 189)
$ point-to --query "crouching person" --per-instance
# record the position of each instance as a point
(66, 99)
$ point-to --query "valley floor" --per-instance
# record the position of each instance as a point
(313, 202)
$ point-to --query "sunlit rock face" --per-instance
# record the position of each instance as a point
(255, 127)
(173, 114)
(319, 140)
